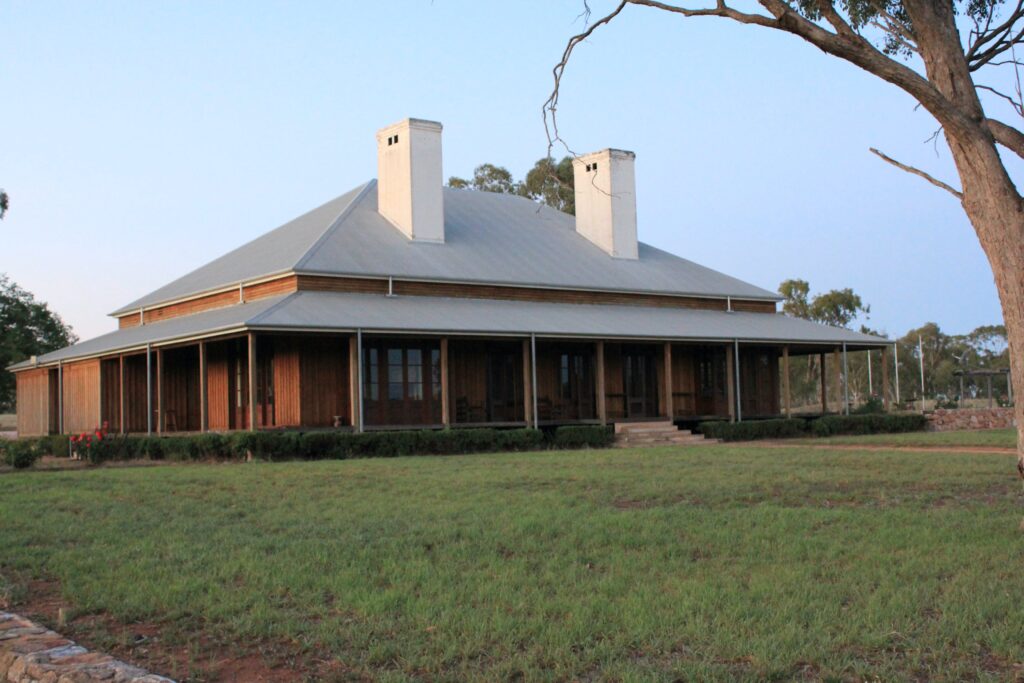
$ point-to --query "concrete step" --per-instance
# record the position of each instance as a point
(654, 430)
(655, 424)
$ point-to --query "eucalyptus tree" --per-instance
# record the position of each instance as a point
(936, 51)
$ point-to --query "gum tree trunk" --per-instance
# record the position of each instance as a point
(990, 199)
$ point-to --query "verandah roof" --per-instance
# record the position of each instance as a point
(372, 313)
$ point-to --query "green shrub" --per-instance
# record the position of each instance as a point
(20, 453)
(832, 425)
(753, 429)
(872, 406)
(591, 436)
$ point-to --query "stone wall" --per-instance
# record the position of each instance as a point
(30, 653)
(943, 420)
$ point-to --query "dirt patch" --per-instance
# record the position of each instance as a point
(203, 655)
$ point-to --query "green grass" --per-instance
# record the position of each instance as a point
(1002, 438)
(707, 563)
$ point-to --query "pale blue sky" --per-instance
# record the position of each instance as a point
(142, 139)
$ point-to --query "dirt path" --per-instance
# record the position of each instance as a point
(993, 450)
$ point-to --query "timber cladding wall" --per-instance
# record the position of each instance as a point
(81, 396)
(328, 283)
(254, 292)
(33, 394)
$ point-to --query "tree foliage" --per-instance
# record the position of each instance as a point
(838, 307)
(27, 328)
(5, 203)
(546, 183)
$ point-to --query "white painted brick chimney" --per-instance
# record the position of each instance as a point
(605, 185)
(409, 179)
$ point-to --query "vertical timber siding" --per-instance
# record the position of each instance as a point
(33, 396)
(324, 382)
(81, 396)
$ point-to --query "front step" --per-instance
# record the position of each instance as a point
(660, 433)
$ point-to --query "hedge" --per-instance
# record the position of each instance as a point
(595, 436)
(283, 445)
(753, 429)
(830, 425)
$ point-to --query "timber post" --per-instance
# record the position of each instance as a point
(837, 377)
(730, 382)
(669, 408)
(602, 407)
(252, 381)
(786, 396)
(527, 386)
(824, 385)
(885, 378)
(445, 411)
(159, 391)
(204, 401)
(736, 375)
(120, 418)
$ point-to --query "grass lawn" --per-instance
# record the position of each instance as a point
(706, 563)
(1002, 438)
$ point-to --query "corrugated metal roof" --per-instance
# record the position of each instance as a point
(330, 310)
(436, 315)
(208, 322)
(489, 238)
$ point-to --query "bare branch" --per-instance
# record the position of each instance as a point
(918, 172)
(1007, 136)
(1017, 106)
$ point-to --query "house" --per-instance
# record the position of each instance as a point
(403, 304)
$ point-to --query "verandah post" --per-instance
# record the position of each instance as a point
(669, 409)
(159, 391)
(120, 418)
(736, 376)
(846, 383)
(527, 386)
(730, 382)
(786, 395)
(445, 414)
(252, 381)
(885, 378)
(533, 376)
(837, 375)
(204, 405)
(149, 390)
(824, 385)
(602, 409)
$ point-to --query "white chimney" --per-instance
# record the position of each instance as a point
(606, 200)
(409, 180)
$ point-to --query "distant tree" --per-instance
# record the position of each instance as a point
(488, 178)
(546, 183)
(837, 307)
(552, 184)
(27, 328)
(5, 203)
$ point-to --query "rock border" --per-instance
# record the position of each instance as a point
(31, 653)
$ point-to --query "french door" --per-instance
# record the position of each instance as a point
(640, 382)
(401, 383)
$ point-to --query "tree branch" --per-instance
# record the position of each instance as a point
(1007, 136)
(918, 172)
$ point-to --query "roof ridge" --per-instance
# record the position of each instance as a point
(333, 225)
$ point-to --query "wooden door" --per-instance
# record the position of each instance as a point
(503, 399)
(640, 384)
